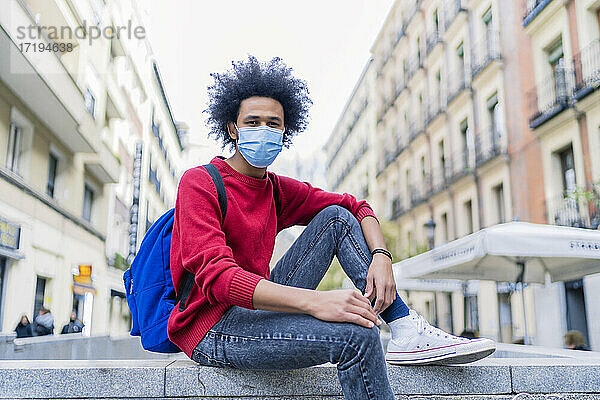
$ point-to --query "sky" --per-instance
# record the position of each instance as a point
(326, 42)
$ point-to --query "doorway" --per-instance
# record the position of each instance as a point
(576, 313)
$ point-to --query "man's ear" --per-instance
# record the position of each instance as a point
(231, 130)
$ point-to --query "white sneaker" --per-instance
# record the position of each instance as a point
(417, 342)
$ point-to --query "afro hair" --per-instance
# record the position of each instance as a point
(250, 78)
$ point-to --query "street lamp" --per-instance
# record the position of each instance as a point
(430, 232)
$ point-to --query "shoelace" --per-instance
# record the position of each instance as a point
(424, 326)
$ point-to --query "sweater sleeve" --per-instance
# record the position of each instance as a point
(203, 246)
(300, 202)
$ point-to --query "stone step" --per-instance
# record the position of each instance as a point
(125, 379)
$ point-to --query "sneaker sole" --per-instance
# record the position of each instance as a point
(449, 358)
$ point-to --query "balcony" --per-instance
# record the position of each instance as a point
(551, 96)
(580, 210)
(532, 8)
(587, 69)
(415, 127)
(484, 52)
(457, 82)
(453, 8)
(461, 165)
(433, 38)
(418, 192)
(412, 7)
(489, 146)
(440, 179)
(398, 208)
(436, 106)
(415, 63)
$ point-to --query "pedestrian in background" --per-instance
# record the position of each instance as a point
(74, 325)
(44, 323)
(574, 340)
(24, 327)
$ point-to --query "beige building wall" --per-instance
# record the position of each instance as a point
(130, 107)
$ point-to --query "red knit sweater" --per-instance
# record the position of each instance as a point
(230, 260)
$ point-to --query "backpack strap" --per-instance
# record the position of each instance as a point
(276, 197)
(187, 282)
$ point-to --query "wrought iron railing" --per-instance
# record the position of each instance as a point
(551, 95)
(531, 8)
(436, 105)
(490, 145)
(433, 38)
(576, 208)
(453, 8)
(484, 52)
(586, 64)
(461, 164)
(457, 82)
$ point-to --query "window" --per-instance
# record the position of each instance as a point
(419, 50)
(88, 202)
(3, 262)
(468, 207)
(90, 102)
(460, 52)
(464, 135)
(556, 62)
(15, 140)
(441, 152)
(52, 168)
(436, 22)
(444, 227)
(567, 166)
(495, 117)
(40, 292)
(489, 29)
(423, 168)
(498, 192)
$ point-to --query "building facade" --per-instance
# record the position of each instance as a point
(90, 155)
(459, 141)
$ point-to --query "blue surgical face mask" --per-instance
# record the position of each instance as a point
(259, 145)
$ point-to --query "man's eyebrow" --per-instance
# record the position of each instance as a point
(249, 117)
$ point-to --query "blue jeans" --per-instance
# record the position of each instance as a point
(261, 339)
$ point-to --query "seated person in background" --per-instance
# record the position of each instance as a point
(24, 327)
(74, 325)
(574, 340)
(44, 323)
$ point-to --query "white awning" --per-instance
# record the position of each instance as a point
(493, 253)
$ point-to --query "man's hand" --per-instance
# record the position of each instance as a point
(380, 280)
(342, 305)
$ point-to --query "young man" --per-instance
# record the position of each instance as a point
(242, 315)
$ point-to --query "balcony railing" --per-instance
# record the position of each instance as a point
(398, 208)
(484, 52)
(551, 96)
(411, 9)
(436, 106)
(457, 82)
(433, 38)
(489, 146)
(571, 209)
(415, 127)
(531, 8)
(587, 69)
(461, 164)
(418, 192)
(440, 178)
(453, 8)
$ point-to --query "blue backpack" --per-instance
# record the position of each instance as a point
(149, 284)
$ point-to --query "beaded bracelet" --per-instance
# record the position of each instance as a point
(382, 251)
